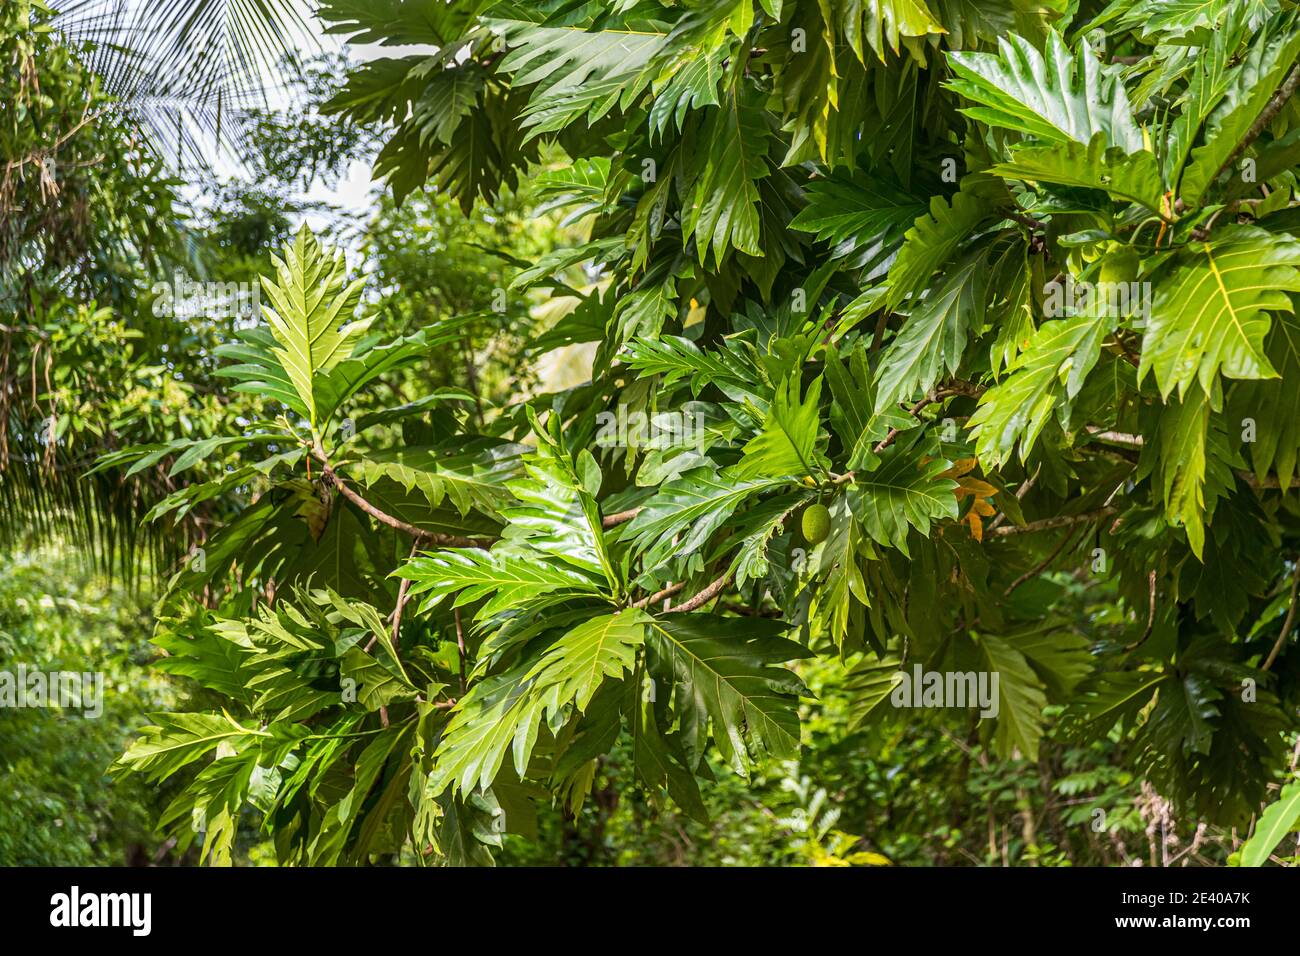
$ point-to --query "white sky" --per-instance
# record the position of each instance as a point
(354, 193)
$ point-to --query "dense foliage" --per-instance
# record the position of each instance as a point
(56, 804)
(924, 336)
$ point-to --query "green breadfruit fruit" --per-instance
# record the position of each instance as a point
(816, 523)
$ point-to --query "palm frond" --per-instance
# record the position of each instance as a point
(190, 71)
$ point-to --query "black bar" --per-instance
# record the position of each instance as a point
(382, 906)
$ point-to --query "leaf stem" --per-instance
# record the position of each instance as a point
(1289, 622)
(704, 597)
(431, 537)
(1273, 107)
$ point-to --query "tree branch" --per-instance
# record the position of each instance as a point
(619, 517)
(703, 598)
(1115, 438)
(1268, 482)
(1274, 106)
(1151, 613)
(402, 594)
(1029, 222)
(660, 595)
(938, 395)
(430, 537)
(460, 648)
(1047, 524)
(1042, 565)
(1290, 619)
(1025, 487)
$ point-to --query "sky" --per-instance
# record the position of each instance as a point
(355, 192)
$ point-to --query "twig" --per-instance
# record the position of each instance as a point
(1125, 440)
(1265, 117)
(618, 518)
(433, 537)
(1151, 613)
(1047, 524)
(58, 144)
(402, 593)
(1116, 438)
(660, 595)
(1042, 565)
(938, 395)
(1029, 222)
(1290, 619)
(703, 598)
(1023, 490)
(460, 646)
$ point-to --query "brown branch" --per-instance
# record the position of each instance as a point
(1025, 487)
(660, 595)
(1122, 439)
(460, 649)
(1047, 524)
(1042, 565)
(402, 594)
(1151, 613)
(41, 154)
(1115, 438)
(938, 395)
(1029, 222)
(1290, 619)
(1274, 106)
(1268, 482)
(703, 598)
(618, 518)
(1117, 347)
(431, 537)
(402, 590)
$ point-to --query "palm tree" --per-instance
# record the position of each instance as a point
(187, 71)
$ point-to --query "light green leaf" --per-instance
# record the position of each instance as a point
(1271, 58)
(471, 474)
(1277, 820)
(1050, 370)
(787, 445)
(502, 714)
(310, 306)
(507, 582)
(880, 24)
(1133, 177)
(933, 339)
(931, 242)
(1274, 407)
(730, 158)
(685, 512)
(181, 739)
(902, 493)
(1055, 97)
(1210, 313)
